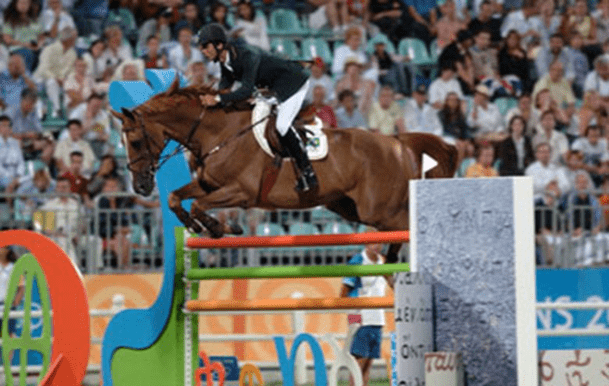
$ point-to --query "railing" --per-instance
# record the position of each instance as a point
(97, 239)
(572, 236)
(569, 235)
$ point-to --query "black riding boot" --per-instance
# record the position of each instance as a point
(293, 144)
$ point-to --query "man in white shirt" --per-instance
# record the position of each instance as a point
(419, 116)
(367, 340)
(65, 213)
(116, 51)
(184, 53)
(521, 21)
(95, 120)
(543, 171)
(484, 116)
(56, 62)
(444, 84)
(547, 133)
(598, 79)
(319, 77)
(12, 164)
(74, 142)
(594, 149)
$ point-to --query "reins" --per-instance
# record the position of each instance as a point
(200, 159)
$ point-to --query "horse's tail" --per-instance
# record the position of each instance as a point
(445, 154)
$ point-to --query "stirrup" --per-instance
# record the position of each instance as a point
(307, 180)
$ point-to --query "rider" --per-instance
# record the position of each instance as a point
(256, 68)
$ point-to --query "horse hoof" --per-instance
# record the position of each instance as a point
(195, 227)
(235, 229)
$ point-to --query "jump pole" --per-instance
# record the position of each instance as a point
(300, 240)
(200, 306)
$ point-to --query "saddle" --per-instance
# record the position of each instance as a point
(307, 125)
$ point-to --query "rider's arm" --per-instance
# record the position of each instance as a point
(251, 63)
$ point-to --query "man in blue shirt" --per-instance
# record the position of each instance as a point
(555, 51)
(579, 62)
(26, 124)
(13, 81)
(347, 115)
(421, 16)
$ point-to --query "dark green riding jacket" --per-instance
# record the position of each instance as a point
(255, 68)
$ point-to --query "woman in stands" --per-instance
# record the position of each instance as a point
(250, 26)
(218, 13)
(515, 152)
(590, 112)
(513, 60)
(354, 81)
(452, 117)
(22, 32)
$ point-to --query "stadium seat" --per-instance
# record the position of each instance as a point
(313, 47)
(433, 51)
(269, 229)
(116, 142)
(505, 104)
(416, 50)
(284, 21)
(321, 215)
(303, 228)
(285, 47)
(380, 38)
(336, 227)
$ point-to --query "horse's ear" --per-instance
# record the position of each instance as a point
(175, 86)
(118, 115)
(128, 114)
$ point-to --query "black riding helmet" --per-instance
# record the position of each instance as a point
(212, 33)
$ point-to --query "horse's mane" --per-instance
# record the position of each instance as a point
(159, 103)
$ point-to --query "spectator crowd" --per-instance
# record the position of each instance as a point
(520, 87)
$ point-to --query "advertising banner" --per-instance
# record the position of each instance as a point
(573, 285)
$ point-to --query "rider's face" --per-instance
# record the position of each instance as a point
(209, 51)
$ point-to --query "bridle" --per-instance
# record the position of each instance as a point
(200, 158)
(148, 143)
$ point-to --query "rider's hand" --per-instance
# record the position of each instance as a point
(208, 100)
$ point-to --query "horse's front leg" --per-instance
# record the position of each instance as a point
(175, 198)
(225, 197)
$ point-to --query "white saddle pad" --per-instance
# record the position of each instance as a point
(317, 143)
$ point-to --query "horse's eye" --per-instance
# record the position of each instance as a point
(136, 144)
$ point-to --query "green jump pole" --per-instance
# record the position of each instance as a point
(292, 271)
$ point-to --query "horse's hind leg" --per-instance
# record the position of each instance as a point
(392, 253)
(175, 199)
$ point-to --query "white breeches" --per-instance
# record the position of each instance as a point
(287, 111)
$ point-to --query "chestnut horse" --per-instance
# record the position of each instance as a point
(364, 177)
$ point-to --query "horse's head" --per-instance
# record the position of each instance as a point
(144, 144)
